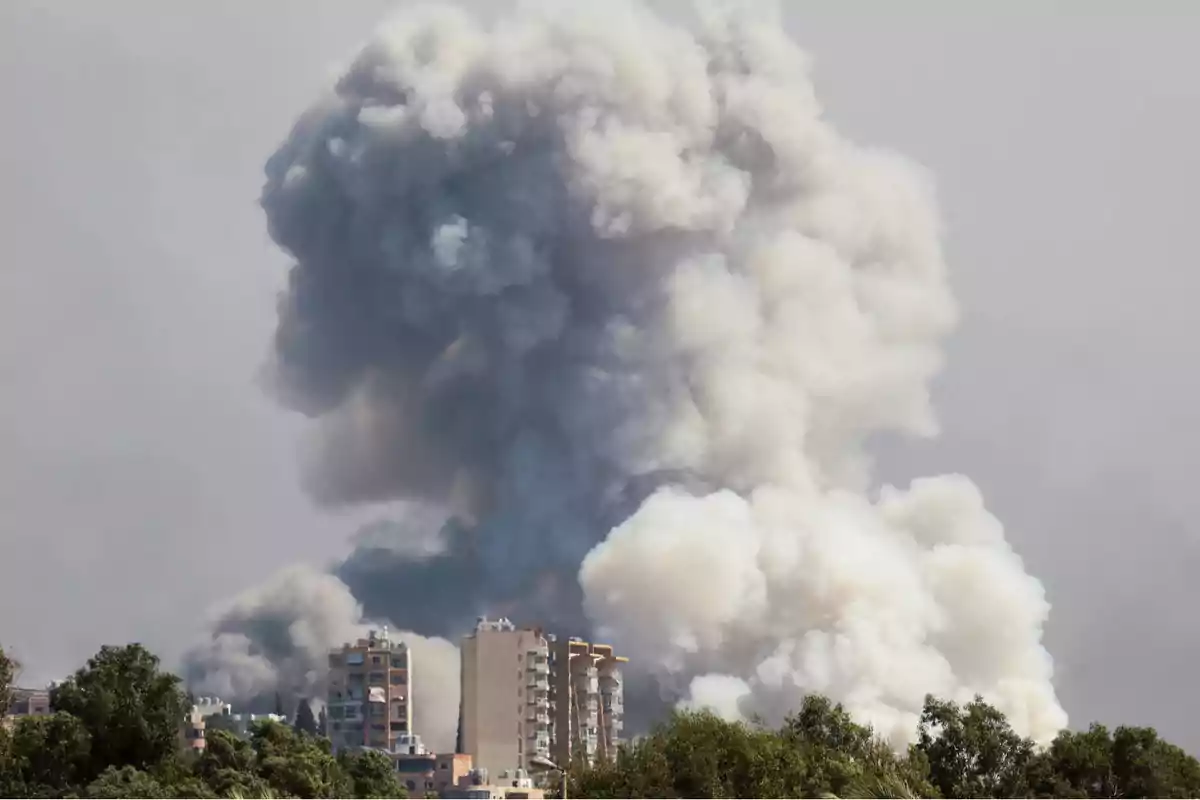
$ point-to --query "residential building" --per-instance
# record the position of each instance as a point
(588, 699)
(29, 702)
(505, 712)
(26, 703)
(212, 713)
(430, 774)
(508, 786)
(370, 694)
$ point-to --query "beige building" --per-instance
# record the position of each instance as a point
(588, 699)
(370, 694)
(505, 715)
(426, 774)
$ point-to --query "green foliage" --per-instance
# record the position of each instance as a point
(47, 756)
(972, 751)
(118, 782)
(8, 673)
(1132, 762)
(117, 723)
(132, 710)
(371, 774)
(297, 765)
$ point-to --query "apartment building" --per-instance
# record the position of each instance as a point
(369, 703)
(588, 699)
(505, 714)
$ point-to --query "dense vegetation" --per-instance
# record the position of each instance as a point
(115, 732)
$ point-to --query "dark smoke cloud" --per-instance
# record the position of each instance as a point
(617, 302)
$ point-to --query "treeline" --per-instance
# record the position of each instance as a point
(961, 751)
(116, 731)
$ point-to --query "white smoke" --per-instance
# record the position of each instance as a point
(584, 267)
(278, 636)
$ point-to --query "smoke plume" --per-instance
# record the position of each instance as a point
(277, 637)
(614, 298)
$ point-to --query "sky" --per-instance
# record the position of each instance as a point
(144, 475)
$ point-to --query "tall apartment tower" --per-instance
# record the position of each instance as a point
(588, 697)
(505, 712)
(370, 694)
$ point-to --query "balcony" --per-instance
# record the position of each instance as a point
(537, 682)
(539, 718)
(538, 668)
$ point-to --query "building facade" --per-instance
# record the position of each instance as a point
(370, 694)
(25, 703)
(209, 714)
(588, 700)
(505, 717)
(427, 774)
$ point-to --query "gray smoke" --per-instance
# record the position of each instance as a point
(619, 299)
(277, 637)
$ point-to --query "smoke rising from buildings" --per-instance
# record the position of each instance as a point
(277, 637)
(615, 304)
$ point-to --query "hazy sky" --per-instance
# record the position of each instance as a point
(143, 474)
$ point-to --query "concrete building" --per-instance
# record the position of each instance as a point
(506, 786)
(29, 702)
(430, 774)
(212, 713)
(588, 698)
(370, 694)
(25, 703)
(505, 715)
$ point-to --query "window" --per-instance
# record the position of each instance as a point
(400, 727)
(412, 785)
(398, 662)
(399, 679)
(376, 678)
(354, 659)
(374, 659)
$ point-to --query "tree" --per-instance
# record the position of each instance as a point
(229, 766)
(305, 722)
(48, 756)
(696, 754)
(371, 774)
(297, 765)
(1130, 762)
(132, 710)
(9, 667)
(278, 704)
(972, 751)
(845, 758)
(119, 782)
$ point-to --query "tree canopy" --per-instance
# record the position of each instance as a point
(116, 731)
(967, 751)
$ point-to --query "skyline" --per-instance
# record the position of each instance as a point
(1006, 442)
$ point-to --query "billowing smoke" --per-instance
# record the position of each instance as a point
(616, 300)
(277, 637)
